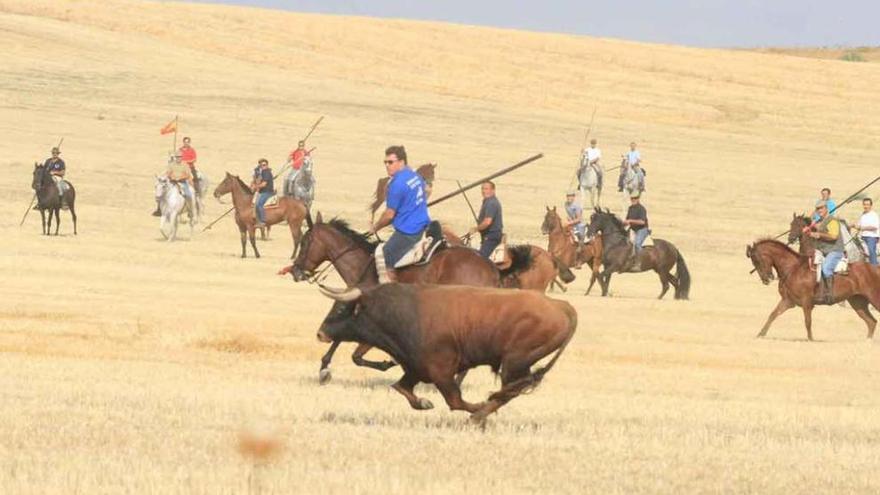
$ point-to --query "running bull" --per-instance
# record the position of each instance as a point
(434, 332)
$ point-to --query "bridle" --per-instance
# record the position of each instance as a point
(322, 274)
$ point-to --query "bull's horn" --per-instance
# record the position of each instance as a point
(343, 295)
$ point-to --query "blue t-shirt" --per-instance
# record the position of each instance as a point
(406, 196)
(831, 206)
(574, 210)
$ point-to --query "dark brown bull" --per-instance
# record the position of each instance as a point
(434, 332)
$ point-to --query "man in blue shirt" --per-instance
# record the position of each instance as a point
(406, 209)
(264, 184)
(832, 206)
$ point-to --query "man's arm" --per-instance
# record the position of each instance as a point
(485, 224)
(384, 220)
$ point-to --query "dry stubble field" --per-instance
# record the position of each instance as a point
(130, 365)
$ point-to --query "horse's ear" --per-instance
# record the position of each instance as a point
(749, 248)
(309, 219)
(319, 218)
(548, 208)
(554, 208)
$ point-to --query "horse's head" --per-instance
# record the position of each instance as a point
(39, 175)
(602, 222)
(761, 262)
(551, 221)
(426, 171)
(224, 187)
(161, 186)
(797, 226)
(312, 249)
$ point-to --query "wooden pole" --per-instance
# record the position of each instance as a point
(487, 178)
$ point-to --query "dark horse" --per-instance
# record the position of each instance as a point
(661, 257)
(48, 198)
(797, 283)
(351, 254)
(426, 171)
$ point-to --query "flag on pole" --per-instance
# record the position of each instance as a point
(169, 127)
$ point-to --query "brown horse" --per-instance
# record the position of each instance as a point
(564, 249)
(291, 210)
(617, 256)
(797, 283)
(49, 198)
(351, 254)
(426, 171)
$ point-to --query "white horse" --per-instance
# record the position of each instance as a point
(588, 180)
(301, 183)
(203, 185)
(172, 204)
(632, 178)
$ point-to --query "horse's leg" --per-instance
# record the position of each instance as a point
(664, 281)
(358, 357)
(73, 216)
(43, 220)
(252, 234)
(324, 374)
(296, 234)
(243, 243)
(808, 319)
(57, 219)
(860, 305)
(605, 282)
(781, 307)
(405, 386)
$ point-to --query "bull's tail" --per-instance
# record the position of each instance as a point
(529, 383)
(565, 273)
(684, 278)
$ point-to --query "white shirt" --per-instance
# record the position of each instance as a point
(870, 219)
(593, 154)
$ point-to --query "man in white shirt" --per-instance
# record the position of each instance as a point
(869, 227)
(594, 155)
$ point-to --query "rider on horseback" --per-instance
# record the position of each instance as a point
(406, 209)
(264, 184)
(575, 213)
(830, 243)
(637, 220)
(180, 174)
(633, 161)
(56, 168)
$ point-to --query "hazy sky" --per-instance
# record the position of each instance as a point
(720, 23)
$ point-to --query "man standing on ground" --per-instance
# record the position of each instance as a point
(406, 208)
(490, 223)
(869, 227)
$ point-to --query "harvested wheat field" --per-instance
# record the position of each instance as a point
(132, 365)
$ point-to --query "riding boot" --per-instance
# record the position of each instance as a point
(829, 289)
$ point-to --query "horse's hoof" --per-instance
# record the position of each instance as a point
(324, 376)
(424, 404)
(386, 365)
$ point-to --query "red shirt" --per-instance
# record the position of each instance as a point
(187, 154)
(297, 157)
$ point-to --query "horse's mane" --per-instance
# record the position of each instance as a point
(614, 220)
(771, 240)
(244, 186)
(520, 259)
(361, 240)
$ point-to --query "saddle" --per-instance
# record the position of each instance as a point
(420, 254)
(500, 255)
(842, 268)
(272, 202)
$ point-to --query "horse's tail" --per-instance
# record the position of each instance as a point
(565, 273)
(520, 260)
(684, 277)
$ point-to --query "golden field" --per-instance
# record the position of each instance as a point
(131, 365)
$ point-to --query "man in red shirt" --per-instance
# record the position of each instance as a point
(298, 156)
(188, 154)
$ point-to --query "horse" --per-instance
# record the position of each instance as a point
(426, 172)
(172, 204)
(352, 255)
(617, 251)
(564, 248)
(300, 184)
(797, 233)
(291, 210)
(631, 181)
(201, 184)
(797, 283)
(49, 198)
(588, 179)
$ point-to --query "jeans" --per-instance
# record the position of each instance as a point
(641, 235)
(831, 261)
(871, 243)
(261, 201)
(398, 245)
(488, 244)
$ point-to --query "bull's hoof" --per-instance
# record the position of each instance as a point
(424, 404)
(324, 376)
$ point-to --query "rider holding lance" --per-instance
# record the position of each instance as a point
(830, 243)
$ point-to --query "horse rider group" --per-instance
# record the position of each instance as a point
(181, 171)
(591, 159)
(56, 168)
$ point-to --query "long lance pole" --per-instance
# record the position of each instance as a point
(468, 201)
(314, 126)
(34, 199)
(487, 178)
(848, 200)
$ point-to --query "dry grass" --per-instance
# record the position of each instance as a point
(130, 365)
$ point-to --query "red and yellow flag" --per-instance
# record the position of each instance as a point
(169, 127)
